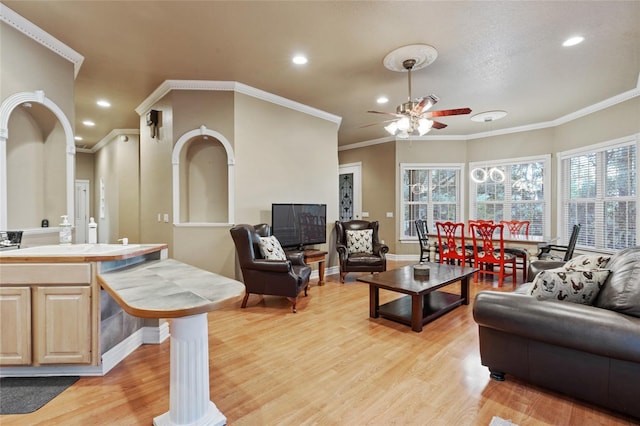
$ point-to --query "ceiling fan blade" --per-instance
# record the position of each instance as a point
(425, 103)
(387, 113)
(445, 112)
(438, 125)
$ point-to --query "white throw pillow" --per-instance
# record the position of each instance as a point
(577, 286)
(271, 249)
(360, 241)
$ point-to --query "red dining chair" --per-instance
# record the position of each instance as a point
(518, 227)
(487, 255)
(451, 243)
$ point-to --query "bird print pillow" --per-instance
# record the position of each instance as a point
(360, 241)
(271, 249)
(577, 286)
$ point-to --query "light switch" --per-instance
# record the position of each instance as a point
(166, 217)
(159, 217)
(389, 214)
(365, 214)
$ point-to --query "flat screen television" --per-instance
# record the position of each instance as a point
(299, 225)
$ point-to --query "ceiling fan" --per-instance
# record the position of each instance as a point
(414, 115)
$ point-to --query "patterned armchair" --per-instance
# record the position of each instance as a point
(359, 248)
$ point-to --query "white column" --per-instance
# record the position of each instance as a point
(189, 402)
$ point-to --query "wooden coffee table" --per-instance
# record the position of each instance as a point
(423, 302)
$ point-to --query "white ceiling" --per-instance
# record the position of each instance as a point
(491, 55)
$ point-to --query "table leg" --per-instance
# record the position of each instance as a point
(321, 272)
(189, 402)
(417, 302)
(464, 290)
(374, 301)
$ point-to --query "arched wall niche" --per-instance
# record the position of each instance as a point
(6, 109)
(184, 161)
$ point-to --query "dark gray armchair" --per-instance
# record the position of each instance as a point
(272, 277)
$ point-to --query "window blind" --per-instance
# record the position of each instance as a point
(599, 191)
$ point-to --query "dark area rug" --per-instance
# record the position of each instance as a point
(21, 395)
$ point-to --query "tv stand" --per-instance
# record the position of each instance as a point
(314, 256)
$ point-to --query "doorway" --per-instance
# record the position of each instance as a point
(82, 191)
(350, 191)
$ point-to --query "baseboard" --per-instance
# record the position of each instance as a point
(145, 335)
(111, 358)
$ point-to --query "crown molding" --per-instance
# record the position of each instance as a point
(599, 106)
(113, 135)
(234, 86)
(32, 31)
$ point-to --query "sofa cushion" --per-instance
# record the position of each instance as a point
(360, 241)
(587, 262)
(621, 292)
(578, 286)
(271, 249)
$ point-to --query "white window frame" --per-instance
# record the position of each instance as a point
(460, 206)
(545, 159)
(562, 188)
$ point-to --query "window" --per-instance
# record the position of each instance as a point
(512, 190)
(598, 186)
(431, 192)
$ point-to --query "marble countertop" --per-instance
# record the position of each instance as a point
(169, 289)
(78, 252)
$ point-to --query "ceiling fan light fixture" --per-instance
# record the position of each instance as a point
(424, 126)
(392, 128)
(404, 124)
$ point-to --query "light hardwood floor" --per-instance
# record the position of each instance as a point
(329, 364)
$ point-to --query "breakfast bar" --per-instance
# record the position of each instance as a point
(172, 289)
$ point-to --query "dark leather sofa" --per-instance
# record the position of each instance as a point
(591, 353)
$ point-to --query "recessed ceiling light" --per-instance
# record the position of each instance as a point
(573, 41)
(88, 123)
(103, 103)
(78, 138)
(382, 100)
(300, 60)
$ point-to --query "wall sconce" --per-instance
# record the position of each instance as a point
(153, 118)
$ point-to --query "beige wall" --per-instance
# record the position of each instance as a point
(36, 152)
(116, 165)
(378, 186)
(614, 122)
(281, 155)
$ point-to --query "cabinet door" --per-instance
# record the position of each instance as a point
(15, 326)
(62, 324)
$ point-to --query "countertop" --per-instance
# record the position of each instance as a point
(78, 253)
(169, 289)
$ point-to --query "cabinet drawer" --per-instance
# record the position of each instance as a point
(45, 273)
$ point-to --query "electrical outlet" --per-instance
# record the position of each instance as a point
(365, 214)
(389, 214)
(166, 218)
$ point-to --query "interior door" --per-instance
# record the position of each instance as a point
(350, 191)
(82, 210)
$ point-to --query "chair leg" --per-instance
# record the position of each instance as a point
(293, 301)
(244, 300)
(305, 289)
(342, 275)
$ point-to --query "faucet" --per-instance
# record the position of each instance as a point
(125, 241)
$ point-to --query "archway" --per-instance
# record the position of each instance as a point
(7, 107)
